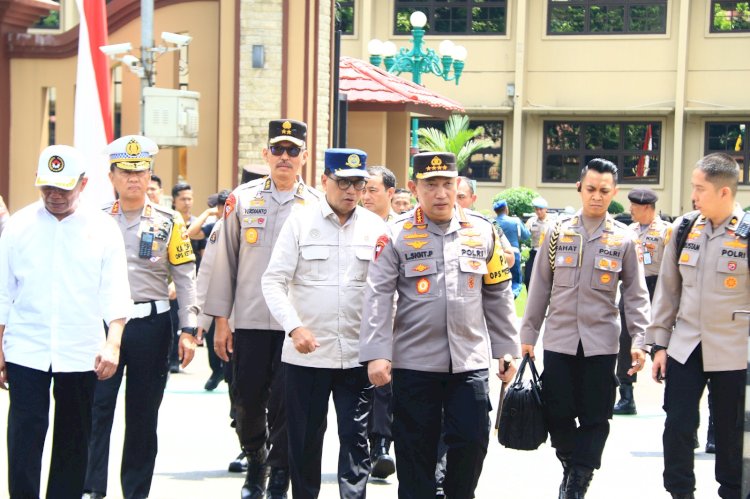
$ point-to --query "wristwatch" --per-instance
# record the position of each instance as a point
(656, 348)
(192, 331)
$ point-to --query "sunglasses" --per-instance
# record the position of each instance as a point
(345, 183)
(292, 151)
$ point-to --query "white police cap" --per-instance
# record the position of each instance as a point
(132, 152)
(60, 166)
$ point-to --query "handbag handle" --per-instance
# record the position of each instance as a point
(527, 360)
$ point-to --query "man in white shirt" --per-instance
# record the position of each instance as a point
(314, 285)
(63, 271)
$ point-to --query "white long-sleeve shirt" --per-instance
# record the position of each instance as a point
(316, 279)
(59, 279)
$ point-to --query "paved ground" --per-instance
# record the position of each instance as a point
(196, 444)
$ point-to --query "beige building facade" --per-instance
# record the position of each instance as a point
(236, 99)
(561, 85)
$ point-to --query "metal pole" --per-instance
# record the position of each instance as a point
(147, 54)
(416, 76)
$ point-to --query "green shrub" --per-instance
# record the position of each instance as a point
(519, 200)
(615, 208)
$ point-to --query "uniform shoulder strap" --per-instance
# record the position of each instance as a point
(683, 230)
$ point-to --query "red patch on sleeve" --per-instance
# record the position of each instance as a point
(229, 205)
(380, 245)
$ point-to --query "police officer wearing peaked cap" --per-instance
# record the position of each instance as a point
(157, 248)
(446, 265)
(537, 225)
(253, 217)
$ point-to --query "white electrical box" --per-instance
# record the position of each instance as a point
(171, 116)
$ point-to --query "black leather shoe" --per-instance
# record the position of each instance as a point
(257, 473)
(93, 495)
(383, 465)
(710, 448)
(566, 471)
(239, 465)
(683, 495)
(174, 367)
(578, 482)
(213, 381)
(278, 483)
(626, 405)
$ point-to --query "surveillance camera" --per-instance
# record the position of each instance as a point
(116, 49)
(130, 60)
(175, 38)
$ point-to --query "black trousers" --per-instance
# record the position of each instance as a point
(145, 353)
(579, 387)
(307, 392)
(258, 393)
(420, 400)
(381, 417)
(682, 394)
(624, 359)
(214, 362)
(28, 421)
(529, 268)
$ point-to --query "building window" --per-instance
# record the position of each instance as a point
(606, 17)
(486, 164)
(634, 147)
(50, 21)
(459, 17)
(345, 17)
(731, 138)
(730, 17)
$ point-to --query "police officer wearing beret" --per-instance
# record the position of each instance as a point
(314, 287)
(575, 289)
(157, 248)
(653, 233)
(454, 310)
(253, 217)
(694, 337)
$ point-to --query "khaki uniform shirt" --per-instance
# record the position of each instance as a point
(581, 294)
(455, 306)
(253, 216)
(697, 292)
(170, 255)
(652, 237)
(316, 279)
(204, 273)
(538, 228)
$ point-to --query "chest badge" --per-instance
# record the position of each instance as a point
(251, 235)
(730, 282)
(423, 286)
(417, 244)
(421, 267)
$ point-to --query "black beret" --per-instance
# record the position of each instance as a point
(643, 196)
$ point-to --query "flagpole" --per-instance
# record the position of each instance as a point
(147, 54)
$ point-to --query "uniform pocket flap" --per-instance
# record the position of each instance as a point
(364, 252)
(420, 267)
(730, 265)
(314, 252)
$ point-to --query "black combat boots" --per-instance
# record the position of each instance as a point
(383, 464)
(566, 472)
(257, 472)
(578, 482)
(278, 483)
(626, 405)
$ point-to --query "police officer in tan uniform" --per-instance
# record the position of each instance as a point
(253, 217)
(653, 233)
(157, 248)
(454, 313)
(694, 337)
(538, 224)
(575, 288)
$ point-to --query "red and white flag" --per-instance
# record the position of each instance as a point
(641, 169)
(93, 110)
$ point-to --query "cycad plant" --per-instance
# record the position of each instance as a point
(457, 138)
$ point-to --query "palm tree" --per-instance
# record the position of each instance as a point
(458, 139)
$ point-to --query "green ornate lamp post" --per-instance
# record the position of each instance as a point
(419, 60)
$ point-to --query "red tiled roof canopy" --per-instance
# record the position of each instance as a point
(369, 88)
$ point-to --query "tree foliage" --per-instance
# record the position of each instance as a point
(457, 138)
(519, 200)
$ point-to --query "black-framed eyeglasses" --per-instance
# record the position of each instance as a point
(345, 183)
(292, 151)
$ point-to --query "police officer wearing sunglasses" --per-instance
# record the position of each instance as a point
(253, 216)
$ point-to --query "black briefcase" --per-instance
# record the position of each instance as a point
(522, 424)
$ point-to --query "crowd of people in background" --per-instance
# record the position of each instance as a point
(390, 302)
